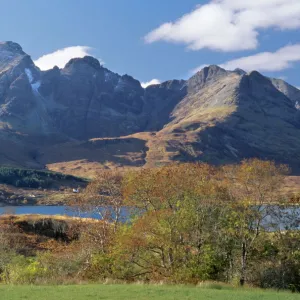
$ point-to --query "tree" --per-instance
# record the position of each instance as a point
(254, 188)
(102, 199)
(177, 235)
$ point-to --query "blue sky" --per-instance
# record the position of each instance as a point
(160, 39)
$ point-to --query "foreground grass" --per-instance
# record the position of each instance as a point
(140, 292)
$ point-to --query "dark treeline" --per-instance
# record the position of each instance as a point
(32, 178)
(198, 223)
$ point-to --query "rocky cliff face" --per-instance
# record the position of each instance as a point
(234, 116)
(216, 116)
(82, 100)
(88, 100)
(288, 90)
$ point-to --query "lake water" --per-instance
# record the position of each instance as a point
(282, 218)
(42, 210)
(51, 211)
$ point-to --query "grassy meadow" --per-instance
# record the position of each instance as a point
(140, 292)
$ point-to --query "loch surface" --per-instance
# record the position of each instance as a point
(52, 211)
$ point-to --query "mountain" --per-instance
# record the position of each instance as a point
(84, 117)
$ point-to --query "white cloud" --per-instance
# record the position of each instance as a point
(151, 82)
(228, 25)
(266, 61)
(298, 87)
(61, 57)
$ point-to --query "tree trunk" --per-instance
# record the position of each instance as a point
(244, 264)
(171, 259)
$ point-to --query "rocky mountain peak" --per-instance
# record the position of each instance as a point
(86, 60)
(11, 47)
(239, 71)
(256, 81)
(205, 76)
(170, 85)
(12, 55)
(131, 81)
(213, 69)
(210, 72)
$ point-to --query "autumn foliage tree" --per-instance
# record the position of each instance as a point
(254, 188)
(184, 222)
(181, 205)
(101, 199)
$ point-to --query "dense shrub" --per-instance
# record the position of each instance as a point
(23, 270)
(44, 268)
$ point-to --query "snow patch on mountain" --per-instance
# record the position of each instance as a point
(35, 86)
(29, 75)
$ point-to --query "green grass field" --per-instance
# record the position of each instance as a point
(132, 292)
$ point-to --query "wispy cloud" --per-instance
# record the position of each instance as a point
(266, 61)
(61, 57)
(228, 25)
(151, 82)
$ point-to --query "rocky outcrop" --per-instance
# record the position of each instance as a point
(290, 91)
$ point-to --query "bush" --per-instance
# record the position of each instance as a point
(282, 276)
(22, 270)
(44, 268)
